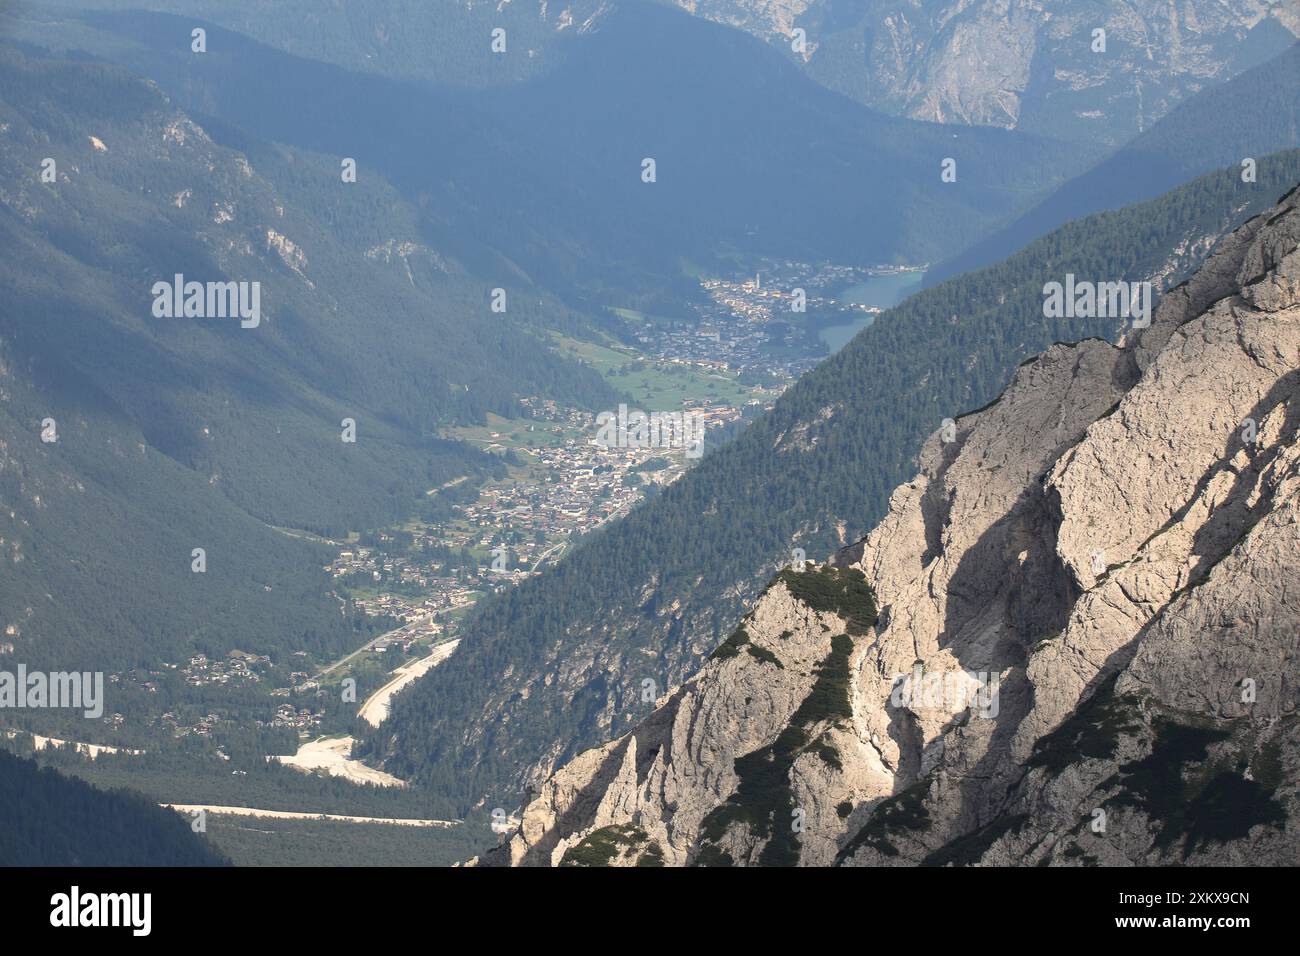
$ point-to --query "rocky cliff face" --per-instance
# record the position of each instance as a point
(1073, 639)
(999, 62)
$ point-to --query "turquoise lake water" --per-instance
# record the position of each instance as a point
(883, 292)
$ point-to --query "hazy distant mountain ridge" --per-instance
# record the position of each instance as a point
(444, 42)
(566, 148)
(1021, 64)
(1255, 113)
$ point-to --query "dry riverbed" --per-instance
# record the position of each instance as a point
(192, 808)
(334, 754)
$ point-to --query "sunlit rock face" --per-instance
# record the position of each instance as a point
(1072, 640)
(1027, 64)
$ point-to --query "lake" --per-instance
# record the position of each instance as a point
(882, 291)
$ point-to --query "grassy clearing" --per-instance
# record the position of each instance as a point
(654, 385)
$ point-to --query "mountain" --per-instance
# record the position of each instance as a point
(1021, 64)
(541, 180)
(47, 819)
(560, 662)
(1069, 641)
(171, 434)
(438, 42)
(174, 486)
(1249, 116)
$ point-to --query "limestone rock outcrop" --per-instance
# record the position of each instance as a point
(1074, 638)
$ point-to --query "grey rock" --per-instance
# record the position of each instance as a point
(1087, 634)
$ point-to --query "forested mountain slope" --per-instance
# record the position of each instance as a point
(171, 434)
(1070, 641)
(560, 661)
(1251, 115)
(440, 42)
(47, 819)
